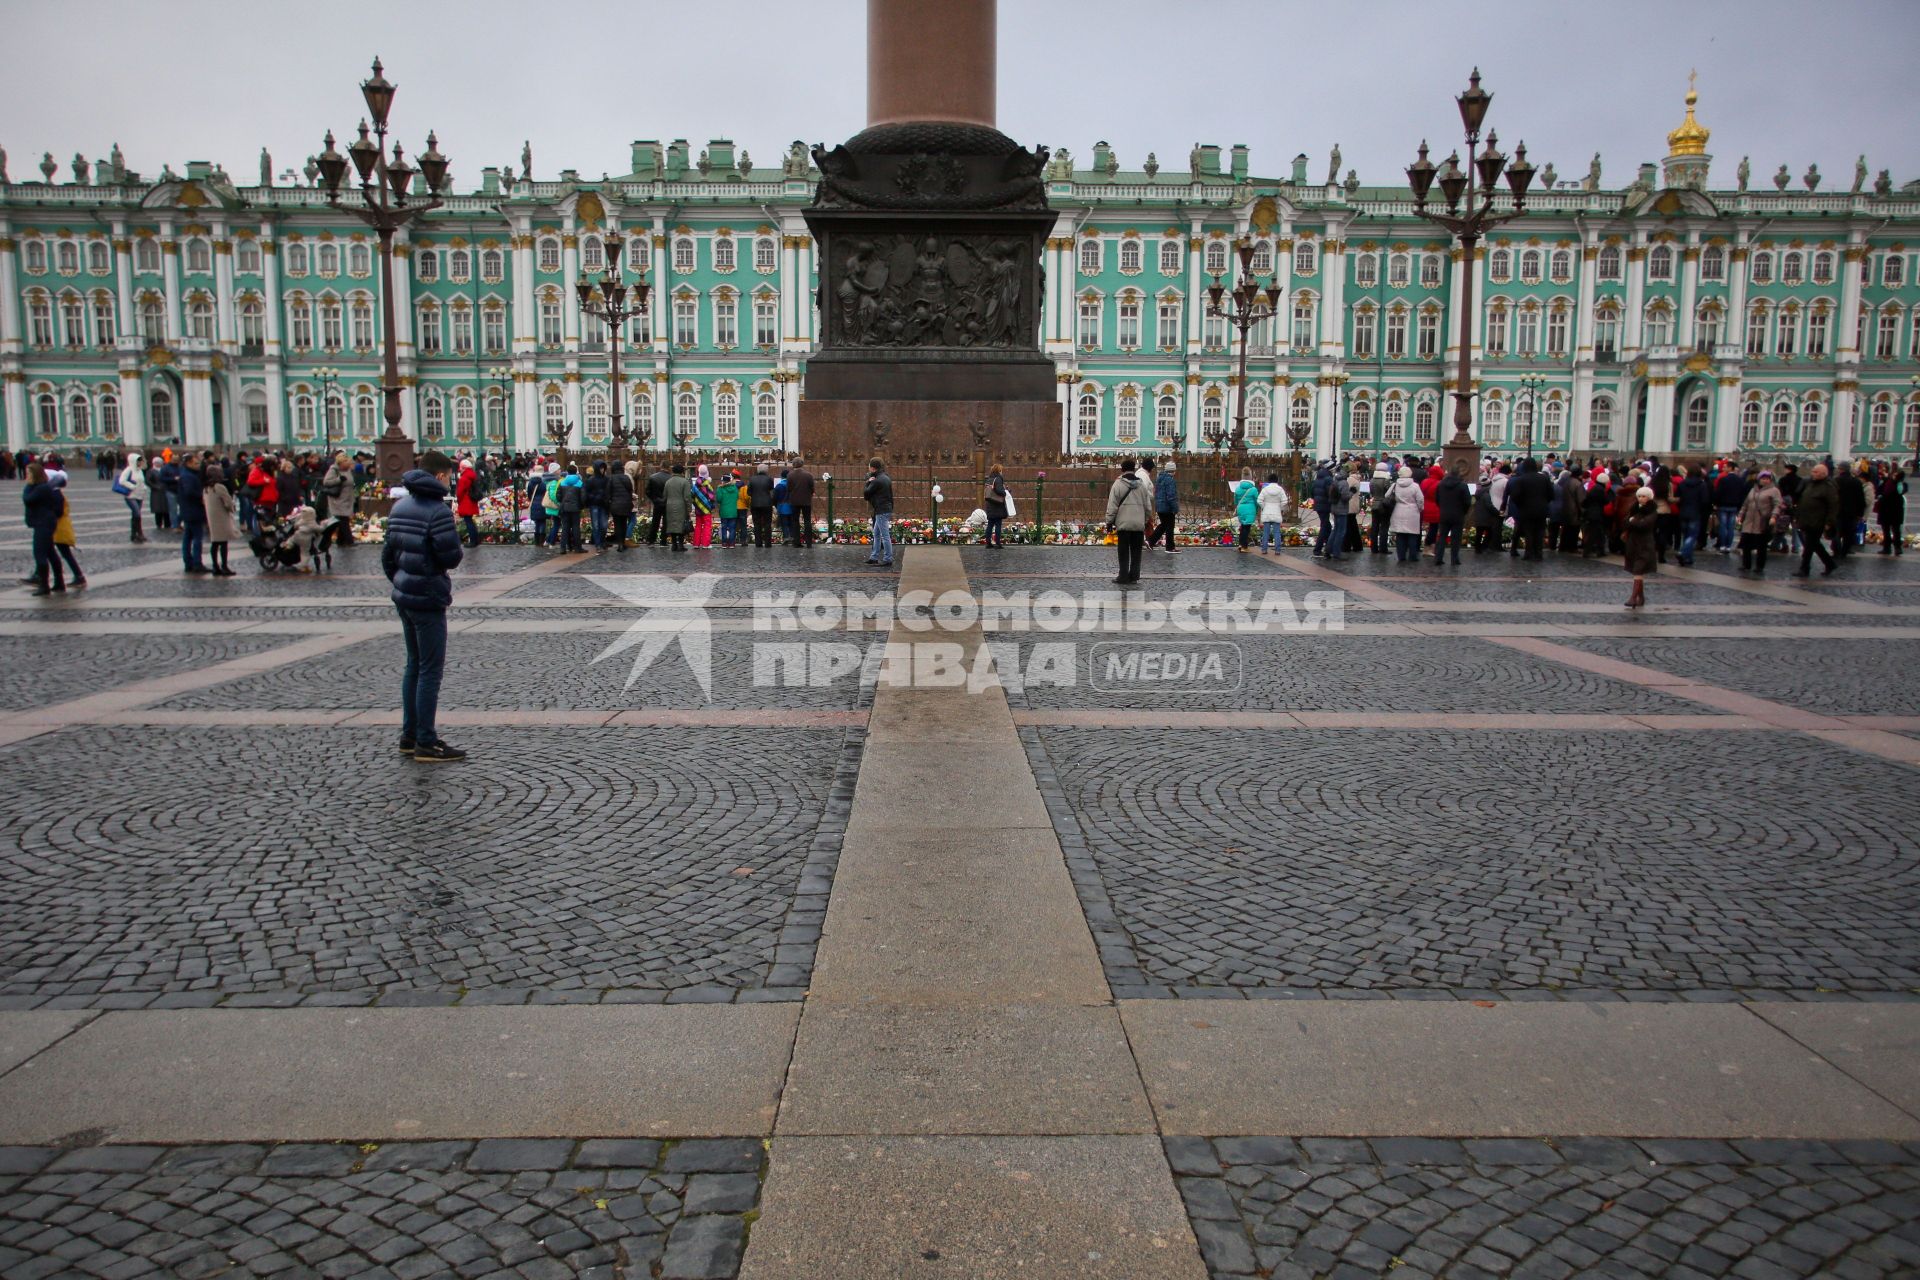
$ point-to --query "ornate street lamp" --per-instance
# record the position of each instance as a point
(1250, 303)
(1532, 384)
(502, 377)
(614, 304)
(1469, 223)
(386, 205)
(329, 379)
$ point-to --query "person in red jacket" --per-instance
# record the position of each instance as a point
(1430, 512)
(466, 500)
(265, 490)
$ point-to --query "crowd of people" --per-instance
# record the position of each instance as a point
(623, 505)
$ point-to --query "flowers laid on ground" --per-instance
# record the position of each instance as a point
(1067, 533)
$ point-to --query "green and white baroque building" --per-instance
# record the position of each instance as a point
(1670, 316)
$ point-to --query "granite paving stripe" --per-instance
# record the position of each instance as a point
(1875, 1044)
(319, 1075)
(1460, 1069)
(59, 668)
(1853, 676)
(26, 1033)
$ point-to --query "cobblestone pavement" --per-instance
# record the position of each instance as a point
(1103, 561)
(257, 867)
(533, 1209)
(50, 669)
(1839, 677)
(1547, 1209)
(1333, 672)
(1612, 589)
(1377, 862)
(518, 672)
(736, 586)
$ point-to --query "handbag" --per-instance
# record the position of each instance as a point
(1006, 496)
(121, 487)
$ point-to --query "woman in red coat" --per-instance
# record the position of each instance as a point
(466, 500)
(1430, 511)
(265, 491)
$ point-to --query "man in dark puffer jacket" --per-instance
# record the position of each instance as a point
(422, 544)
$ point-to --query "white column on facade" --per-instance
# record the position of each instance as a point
(1326, 433)
(1063, 396)
(1630, 332)
(196, 428)
(1737, 298)
(570, 269)
(809, 265)
(1583, 318)
(524, 319)
(1333, 275)
(170, 275)
(790, 418)
(1456, 291)
(571, 391)
(277, 422)
(1689, 288)
(133, 409)
(1660, 402)
(663, 301)
(1726, 414)
(1480, 300)
(1196, 285)
(526, 413)
(225, 331)
(1580, 427)
(123, 282)
(789, 287)
(10, 339)
(1849, 320)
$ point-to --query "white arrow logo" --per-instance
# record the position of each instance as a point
(677, 615)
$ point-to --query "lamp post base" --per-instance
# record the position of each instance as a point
(1457, 452)
(395, 456)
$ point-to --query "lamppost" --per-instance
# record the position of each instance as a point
(1297, 433)
(1251, 303)
(502, 377)
(1914, 382)
(614, 304)
(384, 189)
(1532, 383)
(329, 378)
(1469, 226)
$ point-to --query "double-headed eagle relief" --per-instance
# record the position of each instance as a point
(928, 290)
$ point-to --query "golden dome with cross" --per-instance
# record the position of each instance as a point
(1690, 139)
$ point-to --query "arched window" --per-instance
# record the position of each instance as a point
(109, 415)
(1713, 264)
(303, 421)
(73, 321)
(160, 412)
(1126, 418)
(1213, 417)
(360, 260)
(1129, 257)
(1607, 265)
(1430, 269)
(153, 322)
(1127, 330)
(1497, 329)
(99, 257)
(492, 265)
(1259, 411)
(1659, 325)
(639, 253)
(79, 416)
(1366, 328)
(199, 257)
(1526, 331)
(1300, 417)
(553, 417)
(1750, 415)
(1660, 263)
(332, 332)
(1530, 260)
(365, 417)
(47, 414)
(433, 417)
(39, 320)
(1493, 421)
(363, 323)
(726, 320)
(335, 409)
(1170, 256)
(1780, 428)
(66, 257)
(593, 410)
(766, 417)
(1500, 265)
(726, 415)
(1306, 258)
(1913, 424)
(1399, 268)
(547, 253)
(686, 415)
(1560, 266)
(497, 410)
(1366, 270)
(200, 318)
(1882, 425)
(685, 320)
(682, 255)
(1423, 423)
(1304, 312)
(1706, 326)
(246, 257)
(299, 322)
(1166, 419)
(1393, 423)
(1760, 271)
(253, 324)
(1811, 414)
(550, 319)
(463, 423)
(427, 333)
(326, 258)
(724, 253)
(426, 265)
(1361, 425)
(1823, 267)
(1600, 430)
(1793, 267)
(1214, 259)
(766, 257)
(1263, 257)
(1087, 419)
(459, 264)
(1090, 256)
(1696, 422)
(1553, 420)
(593, 256)
(1786, 332)
(146, 257)
(1557, 331)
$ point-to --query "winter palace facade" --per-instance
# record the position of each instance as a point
(1673, 314)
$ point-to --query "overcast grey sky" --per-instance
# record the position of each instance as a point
(1789, 81)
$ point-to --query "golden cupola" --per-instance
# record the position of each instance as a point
(1690, 139)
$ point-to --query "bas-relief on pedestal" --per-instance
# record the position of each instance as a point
(930, 237)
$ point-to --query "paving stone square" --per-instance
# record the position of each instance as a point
(277, 865)
(48, 669)
(1549, 1209)
(632, 1209)
(1866, 676)
(1349, 862)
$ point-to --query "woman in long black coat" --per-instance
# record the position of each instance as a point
(1643, 545)
(1891, 509)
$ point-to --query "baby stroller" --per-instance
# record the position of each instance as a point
(295, 547)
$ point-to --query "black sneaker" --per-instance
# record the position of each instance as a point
(433, 752)
(408, 746)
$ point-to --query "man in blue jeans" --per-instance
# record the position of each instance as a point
(422, 544)
(879, 495)
(191, 496)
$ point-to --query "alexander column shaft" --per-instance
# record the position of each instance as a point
(930, 60)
